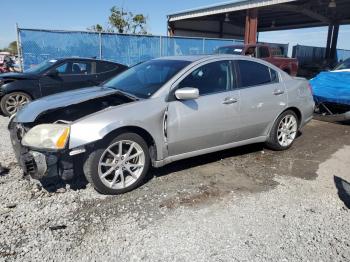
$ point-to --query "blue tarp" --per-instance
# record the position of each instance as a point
(332, 87)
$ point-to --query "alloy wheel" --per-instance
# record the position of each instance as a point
(14, 102)
(121, 164)
(287, 130)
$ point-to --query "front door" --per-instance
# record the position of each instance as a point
(209, 120)
(262, 98)
(70, 75)
(79, 74)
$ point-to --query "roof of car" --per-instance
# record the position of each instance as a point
(191, 58)
(82, 58)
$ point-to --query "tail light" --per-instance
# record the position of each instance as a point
(310, 88)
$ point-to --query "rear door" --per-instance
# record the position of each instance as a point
(262, 98)
(210, 120)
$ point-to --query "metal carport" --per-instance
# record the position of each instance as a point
(243, 19)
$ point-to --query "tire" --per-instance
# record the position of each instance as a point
(11, 102)
(282, 137)
(105, 159)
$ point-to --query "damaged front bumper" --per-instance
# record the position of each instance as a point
(40, 163)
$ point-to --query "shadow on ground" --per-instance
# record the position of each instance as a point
(343, 190)
(205, 179)
(206, 159)
(55, 184)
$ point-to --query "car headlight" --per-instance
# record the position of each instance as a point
(47, 136)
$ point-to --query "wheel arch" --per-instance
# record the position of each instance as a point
(139, 131)
(296, 111)
(292, 108)
(27, 86)
(19, 91)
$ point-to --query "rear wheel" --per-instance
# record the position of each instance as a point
(118, 166)
(284, 131)
(12, 102)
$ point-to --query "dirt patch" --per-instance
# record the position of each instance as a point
(250, 168)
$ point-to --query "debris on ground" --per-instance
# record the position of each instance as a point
(59, 227)
(4, 170)
(233, 205)
(11, 205)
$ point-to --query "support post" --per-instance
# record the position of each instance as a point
(100, 36)
(251, 26)
(170, 29)
(329, 41)
(333, 52)
(221, 34)
(160, 46)
(19, 49)
(203, 46)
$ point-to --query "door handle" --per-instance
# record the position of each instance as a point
(230, 100)
(278, 92)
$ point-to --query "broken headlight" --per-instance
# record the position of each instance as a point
(47, 136)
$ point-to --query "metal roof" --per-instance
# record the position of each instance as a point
(227, 20)
(225, 7)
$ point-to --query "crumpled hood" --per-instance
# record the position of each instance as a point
(32, 110)
(18, 76)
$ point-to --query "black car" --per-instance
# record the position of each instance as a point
(50, 77)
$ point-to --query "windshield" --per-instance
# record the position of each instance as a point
(344, 65)
(41, 67)
(145, 79)
(232, 50)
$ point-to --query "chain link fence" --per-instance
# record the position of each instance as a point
(36, 46)
(39, 45)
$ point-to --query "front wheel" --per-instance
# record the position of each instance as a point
(118, 166)
(12, 102)
(284, 131)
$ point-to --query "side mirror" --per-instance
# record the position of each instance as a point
(187, 93)
(52, 73)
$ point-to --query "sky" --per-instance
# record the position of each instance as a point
(81, 14)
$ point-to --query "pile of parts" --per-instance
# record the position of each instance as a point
(332, 96)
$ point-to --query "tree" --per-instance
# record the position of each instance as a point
(12, 48)
(123, 22)
(139, 24)
(96, 28)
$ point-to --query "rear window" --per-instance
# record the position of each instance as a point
(254, 74)
(105, 67)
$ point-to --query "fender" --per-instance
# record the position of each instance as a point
(142, 114)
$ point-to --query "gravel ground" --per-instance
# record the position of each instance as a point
(244, 204)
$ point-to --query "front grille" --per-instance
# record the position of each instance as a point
(30, 164)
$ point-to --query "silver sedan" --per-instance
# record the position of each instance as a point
(158, 112)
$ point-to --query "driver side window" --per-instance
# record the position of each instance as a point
(209, 79)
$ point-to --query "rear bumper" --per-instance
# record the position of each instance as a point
(307, 120)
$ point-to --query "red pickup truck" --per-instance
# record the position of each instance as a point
(270, 54)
